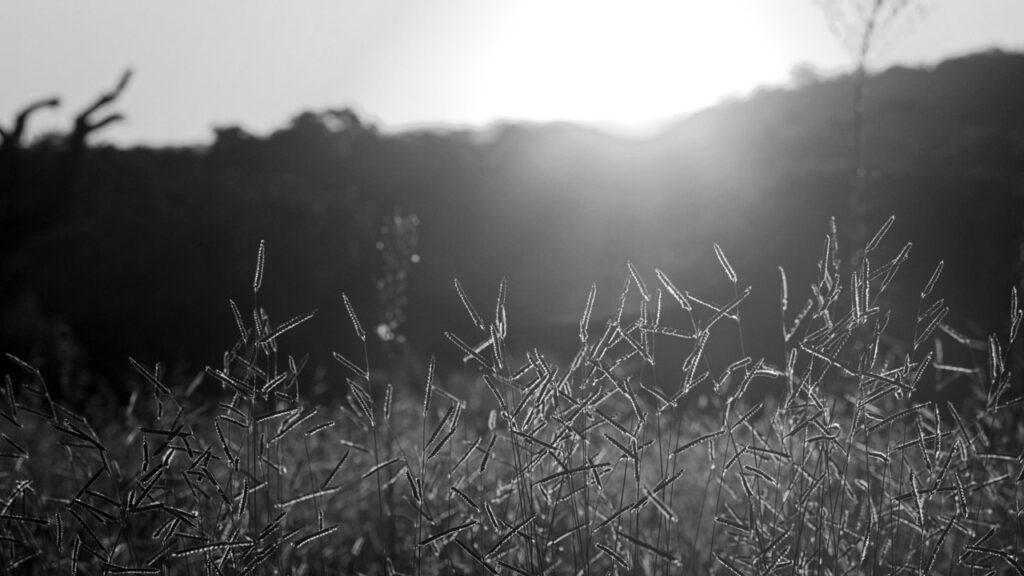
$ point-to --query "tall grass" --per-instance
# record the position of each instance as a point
(831, 461)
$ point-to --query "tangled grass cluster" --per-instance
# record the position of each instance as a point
(831, 462)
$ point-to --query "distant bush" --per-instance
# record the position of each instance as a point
(831, 461)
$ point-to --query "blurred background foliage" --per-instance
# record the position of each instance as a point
(152, 242)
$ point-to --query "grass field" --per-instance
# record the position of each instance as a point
(838, 460)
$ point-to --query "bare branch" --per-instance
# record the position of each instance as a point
(113, 118)
(13, 137)
(83, 125)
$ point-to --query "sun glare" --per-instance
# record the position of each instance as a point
(626, 63)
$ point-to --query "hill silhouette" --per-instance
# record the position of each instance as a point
(155, 241)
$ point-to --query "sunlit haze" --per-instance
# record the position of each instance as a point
(451, 62)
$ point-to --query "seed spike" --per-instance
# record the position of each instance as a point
(355, 320)
(287, 326)
(725, 263)
(478, 320)
(784, 290)
(429, 387)
(239, 322)
(257, 280)
(587, 311)
(877, 238)
(635, 275)
(499, 307)
(934, 278)
(675, 292)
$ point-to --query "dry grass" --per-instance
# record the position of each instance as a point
(828, 463)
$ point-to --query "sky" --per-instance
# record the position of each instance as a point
(624, 64)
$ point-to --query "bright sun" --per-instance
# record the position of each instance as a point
(625, 62)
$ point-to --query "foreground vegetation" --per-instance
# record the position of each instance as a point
(838, 459)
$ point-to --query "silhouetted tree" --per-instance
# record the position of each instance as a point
(26, 211)
(11, 148)
(861, 25)
(85, 125)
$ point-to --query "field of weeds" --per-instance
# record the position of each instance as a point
(838, 460)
